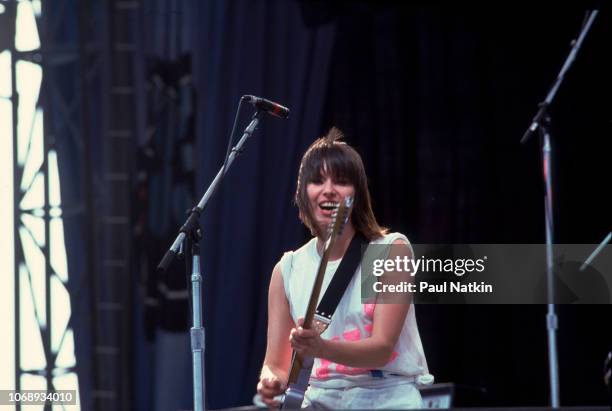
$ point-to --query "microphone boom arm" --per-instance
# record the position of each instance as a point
(192, 221)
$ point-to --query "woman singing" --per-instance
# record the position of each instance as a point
(371, 355)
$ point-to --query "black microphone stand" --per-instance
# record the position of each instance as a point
(541, 122)
(188, 239)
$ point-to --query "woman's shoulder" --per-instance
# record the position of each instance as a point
(386, 245)
(294, 259)
(304, 251)
(390, 238)
(308, 248)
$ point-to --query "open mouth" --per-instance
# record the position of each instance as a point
(328, 206)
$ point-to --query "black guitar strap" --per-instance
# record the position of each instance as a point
(343, 275)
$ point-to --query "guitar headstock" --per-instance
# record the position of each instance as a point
(339, 219)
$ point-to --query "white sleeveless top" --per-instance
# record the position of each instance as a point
(352, 320)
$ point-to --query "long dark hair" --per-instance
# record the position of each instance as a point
(342, 163)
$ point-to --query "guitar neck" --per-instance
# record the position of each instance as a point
(316, 290)
(296, 364)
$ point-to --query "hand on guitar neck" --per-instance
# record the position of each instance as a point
(307, 342)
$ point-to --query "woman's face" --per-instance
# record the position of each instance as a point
(324, 195)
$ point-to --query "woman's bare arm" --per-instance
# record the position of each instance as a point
(275, 369)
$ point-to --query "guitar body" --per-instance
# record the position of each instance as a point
(301, 367)
(294, 396)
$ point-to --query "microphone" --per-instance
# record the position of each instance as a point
(268, 106)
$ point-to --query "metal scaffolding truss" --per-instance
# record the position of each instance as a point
(44, 357)
(86, 51)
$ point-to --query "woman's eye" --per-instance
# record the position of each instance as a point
(317, 180)
(342, 182)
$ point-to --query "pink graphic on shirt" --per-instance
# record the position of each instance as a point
(343, 369)
(368, 310)
(352, 335)
(322, 372)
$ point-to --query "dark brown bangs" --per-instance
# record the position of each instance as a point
(333, 161)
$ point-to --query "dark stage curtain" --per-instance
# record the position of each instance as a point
(264, 49)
